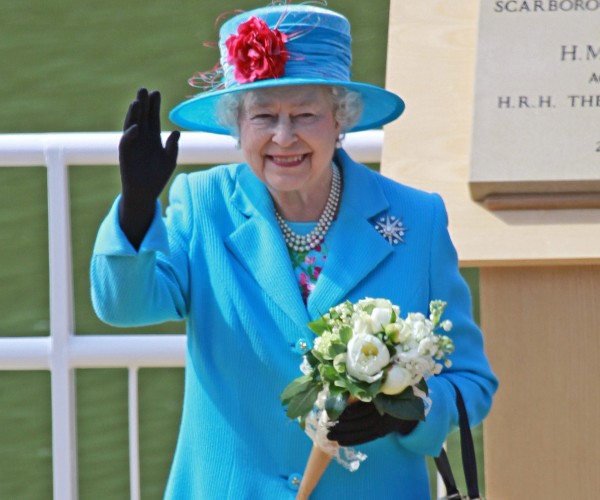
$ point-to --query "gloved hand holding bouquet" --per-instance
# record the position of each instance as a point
(365, 352)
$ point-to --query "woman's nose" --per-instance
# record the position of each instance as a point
(284, 134)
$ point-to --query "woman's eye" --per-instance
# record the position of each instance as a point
(305, 116)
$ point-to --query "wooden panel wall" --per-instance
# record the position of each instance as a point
(542, 439)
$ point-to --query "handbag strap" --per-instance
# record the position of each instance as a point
(468, 456)
(443, 466)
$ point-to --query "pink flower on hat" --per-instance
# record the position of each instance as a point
(257, 52)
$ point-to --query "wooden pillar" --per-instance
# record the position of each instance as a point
(539, 269)
(542, 325)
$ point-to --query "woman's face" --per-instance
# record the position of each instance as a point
(288, 137)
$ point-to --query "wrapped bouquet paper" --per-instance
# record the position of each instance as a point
(364, 351)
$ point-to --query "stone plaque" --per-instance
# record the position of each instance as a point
(536, 127)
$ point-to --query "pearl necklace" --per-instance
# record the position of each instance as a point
(304, 243)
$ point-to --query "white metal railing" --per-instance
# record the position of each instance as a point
(63, 351)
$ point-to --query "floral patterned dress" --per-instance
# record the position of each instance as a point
(307, 265)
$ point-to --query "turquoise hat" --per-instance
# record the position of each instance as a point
(283, 45)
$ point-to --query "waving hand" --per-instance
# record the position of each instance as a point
(146, 165)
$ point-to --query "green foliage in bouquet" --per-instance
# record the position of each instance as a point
(366, 351)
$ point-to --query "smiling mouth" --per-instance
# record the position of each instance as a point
(287, 161)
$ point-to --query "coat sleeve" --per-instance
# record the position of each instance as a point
(148, 286)
(470, 370)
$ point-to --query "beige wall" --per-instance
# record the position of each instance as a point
(431, 64)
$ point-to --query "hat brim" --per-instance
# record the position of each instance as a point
(199, 113)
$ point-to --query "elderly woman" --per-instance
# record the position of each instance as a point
(249, 253)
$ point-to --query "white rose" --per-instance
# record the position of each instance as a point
(369, 302)
(385, 303)
(362, 324)
(380, 317)
(366, 357)
(396, 380)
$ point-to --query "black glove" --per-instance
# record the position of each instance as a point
(145, 165)
(361, 422)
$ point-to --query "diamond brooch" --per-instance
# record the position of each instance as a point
(391, 229)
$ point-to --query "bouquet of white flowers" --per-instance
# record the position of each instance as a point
(364, 351)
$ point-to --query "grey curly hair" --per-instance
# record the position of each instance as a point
(347, 107)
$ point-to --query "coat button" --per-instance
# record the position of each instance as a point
(294, 481)
(302, 346)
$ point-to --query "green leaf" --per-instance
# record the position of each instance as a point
(312, 360)
(334, 390)
(406, 394)
(339, 363)
(374, 387)
(404, 409)
(343, 383)
(335, 404)
(318, 356)
(392, 349)
(355, 388)
(336, 349)
(302, 403)
(422, 384)
(319, 326)
(328, 373)
(296, 386)
(346, 334)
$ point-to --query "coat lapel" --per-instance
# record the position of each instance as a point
(257, 244)
(355, 247)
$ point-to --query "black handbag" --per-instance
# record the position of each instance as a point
(468, 458)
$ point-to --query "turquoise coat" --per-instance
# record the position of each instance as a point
(219, 262)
